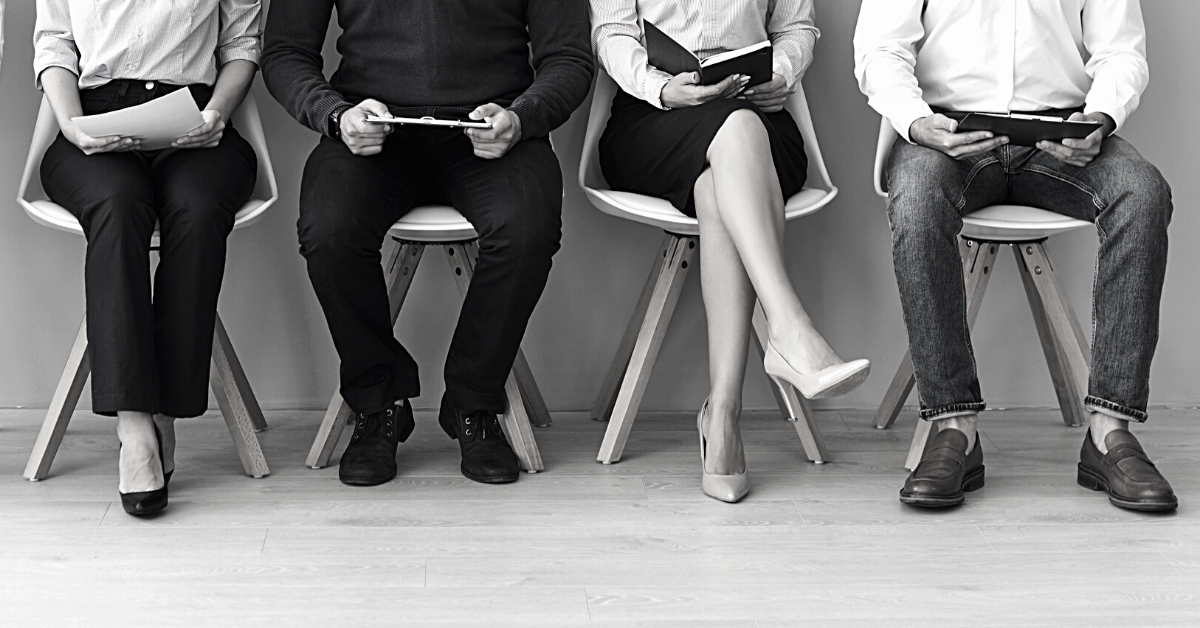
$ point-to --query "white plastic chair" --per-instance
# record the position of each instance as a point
(1025, 229)
(443, 225)
(238, 405)
(622, 391)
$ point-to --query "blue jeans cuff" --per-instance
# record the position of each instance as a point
(957, 409)
(1115, 410)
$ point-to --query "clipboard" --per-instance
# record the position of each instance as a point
(430, 121)
(1026, 130)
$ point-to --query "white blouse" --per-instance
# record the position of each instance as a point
(706, 27)
(178, 42)
(987, 55)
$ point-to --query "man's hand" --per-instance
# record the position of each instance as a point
(495, 142)
(685, 90)
(769, 96)
(206, 135)
(941, 133)
(1080, 153)
(365, 138)
(94, 145)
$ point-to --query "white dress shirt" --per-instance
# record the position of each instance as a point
(1000, 56)
(706, 27)
(178, 42)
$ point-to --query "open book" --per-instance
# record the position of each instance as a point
(669, 56)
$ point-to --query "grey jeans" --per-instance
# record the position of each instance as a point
(1124, 195)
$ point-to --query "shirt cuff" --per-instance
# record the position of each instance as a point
(654, 86)
(781, 64)
(250, 53)
(1109, 107)
(53, 57)
(903, 116)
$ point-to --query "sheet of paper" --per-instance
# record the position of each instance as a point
(157, 123)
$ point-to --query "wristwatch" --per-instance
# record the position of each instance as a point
(335, 121)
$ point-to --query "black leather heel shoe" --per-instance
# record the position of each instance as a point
(486, 455)
(142, 503)
(370, 458)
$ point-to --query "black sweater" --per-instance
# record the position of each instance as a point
(432, 53)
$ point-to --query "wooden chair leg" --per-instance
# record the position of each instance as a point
(978, 265)
(535, 405)
(62, 405)
(905, 379)
(1060, 316)
(1070, 398)
(607, 398)
(516, 419)
(792, 405)
(672, 270)
(237, 402)
(399, 269)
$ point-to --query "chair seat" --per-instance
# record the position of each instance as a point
(660, 213)
(434, 223)
(53, 215)
(1017, 223)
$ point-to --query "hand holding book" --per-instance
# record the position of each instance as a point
(685, 90)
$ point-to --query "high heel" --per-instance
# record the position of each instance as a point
(838, 379)
(726, 488)
(142, 503)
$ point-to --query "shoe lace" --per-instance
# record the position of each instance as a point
(485, 423)
(374, 422)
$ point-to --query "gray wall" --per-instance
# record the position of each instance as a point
(839, 259)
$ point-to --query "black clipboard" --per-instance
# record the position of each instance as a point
(1025, 130)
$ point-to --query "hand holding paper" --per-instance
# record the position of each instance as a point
(157, 124)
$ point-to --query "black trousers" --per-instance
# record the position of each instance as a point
(347, 205)
(150, 352)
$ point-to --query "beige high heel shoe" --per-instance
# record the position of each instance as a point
(726, 488)
(838, 379)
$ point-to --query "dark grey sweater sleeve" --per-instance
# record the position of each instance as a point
(560, 36)
(292, 66)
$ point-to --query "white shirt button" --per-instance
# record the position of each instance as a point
(149, 84)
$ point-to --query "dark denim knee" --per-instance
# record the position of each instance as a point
(921, 193)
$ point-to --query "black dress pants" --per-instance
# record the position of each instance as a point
(347, 205)
(150, 352)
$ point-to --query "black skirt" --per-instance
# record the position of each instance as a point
(662, 153)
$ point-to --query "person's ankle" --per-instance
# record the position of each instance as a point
(968, 425)
(166, 427)
(1100, 425)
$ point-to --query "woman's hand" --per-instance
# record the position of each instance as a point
(769, 96)
(685, 90)
(207, 135)
(94, 145)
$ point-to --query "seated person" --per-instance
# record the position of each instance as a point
(922, 62)
(150, 349)
(469, 59)
(730, 157)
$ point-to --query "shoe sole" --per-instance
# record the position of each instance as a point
(367, 481)
(853, 380)
(1094, 482)
(971, 483)
(490, 479)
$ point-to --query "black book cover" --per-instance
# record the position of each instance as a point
(669, 56)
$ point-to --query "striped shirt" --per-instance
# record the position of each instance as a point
(706, 27)
(180, 42)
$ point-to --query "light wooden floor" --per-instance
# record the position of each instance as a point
(631, 544)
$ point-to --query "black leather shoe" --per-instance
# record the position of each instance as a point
(1125, 473)
(946, 472)
(370, 458)
(486, 455)
(142, 503)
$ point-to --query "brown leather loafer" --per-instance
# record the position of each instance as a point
(1125, 473)
(946, 472)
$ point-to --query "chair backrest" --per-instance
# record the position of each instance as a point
(590, 176)
(887, 139)
(32, 197)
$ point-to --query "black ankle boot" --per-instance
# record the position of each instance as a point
(486, 455)
(370, 458)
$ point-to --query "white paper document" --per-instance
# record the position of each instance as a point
(157, 123)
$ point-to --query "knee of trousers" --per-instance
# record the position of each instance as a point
(1146, 200)
(121, 215)
(530, 235)
(194, 216)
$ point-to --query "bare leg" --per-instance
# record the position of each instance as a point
(139, 468)
(166, 427)
(728, 304)
(750, 205)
